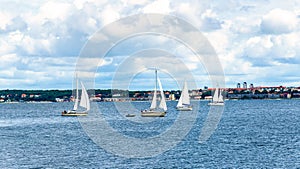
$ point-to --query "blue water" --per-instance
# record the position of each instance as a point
(251, 134)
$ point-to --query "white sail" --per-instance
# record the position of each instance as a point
(179, 104)
(184, 97)
(162, 104)
(76, 97)
(217, 98)
(153, 104)
(216, 95)
(220, 98)
(84, 101)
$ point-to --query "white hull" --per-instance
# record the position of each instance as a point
(130, 115)
(216, 104)
(72, 113)
(153, 114)
(184, 108)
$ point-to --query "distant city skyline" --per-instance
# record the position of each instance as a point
(256, 41)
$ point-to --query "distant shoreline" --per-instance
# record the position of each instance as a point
(116, 95)
(202, 100)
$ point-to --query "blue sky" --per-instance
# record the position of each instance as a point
(256, 41)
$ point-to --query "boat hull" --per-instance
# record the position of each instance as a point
(74, 114)
(130, 115)
(152, 114)
(216, 104)
(184, 108)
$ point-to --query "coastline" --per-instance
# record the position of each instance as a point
(105, 95)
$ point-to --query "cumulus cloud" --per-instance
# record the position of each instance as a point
(258, 46)
(268, 50)
(6, 47)
(109, 15)
(279, 21)
(8, 60)
(158, 6)
(6, 19)
(35, 72)
(249, 37)
(210, 21)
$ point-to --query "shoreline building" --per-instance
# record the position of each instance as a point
(245, 85)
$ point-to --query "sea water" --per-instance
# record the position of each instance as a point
(250, 134)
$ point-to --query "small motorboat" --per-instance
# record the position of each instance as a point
(130, 115)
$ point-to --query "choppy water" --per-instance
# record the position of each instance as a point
(251, 134)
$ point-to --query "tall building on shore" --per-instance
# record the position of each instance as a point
(238, 85)
(245, 85)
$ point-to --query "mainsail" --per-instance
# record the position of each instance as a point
(84, 101)
(162, 104)
(184, 97)
(216, 95)
(76, 97)
(154, 102)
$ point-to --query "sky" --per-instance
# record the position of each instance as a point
(256, 41)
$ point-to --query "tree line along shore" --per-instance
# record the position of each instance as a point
(123, 95)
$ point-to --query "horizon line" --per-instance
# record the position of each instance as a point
(164, 89)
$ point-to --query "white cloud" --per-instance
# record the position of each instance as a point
(55, 10)
(8, 60)
(191, 12)
(250, 37)
(5, 20)
(210, 21)
(158, 6)
(220, 40)
(109, 14)
(6, 47)
(36, 46)
(266, 50)
(8, 73)
(36, 72)
(257, 47)
(244, 25)
(279, 21)
(134, 2)
(286, 46)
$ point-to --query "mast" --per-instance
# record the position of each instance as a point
(155, 79)
(77, 95)
(155, 88)
(154, 99)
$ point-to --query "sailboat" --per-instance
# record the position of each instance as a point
(156, 110)
(84, 102)
(184, 100)
(217, 99)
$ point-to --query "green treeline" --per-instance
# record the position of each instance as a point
(229, 93)
(34, 95)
